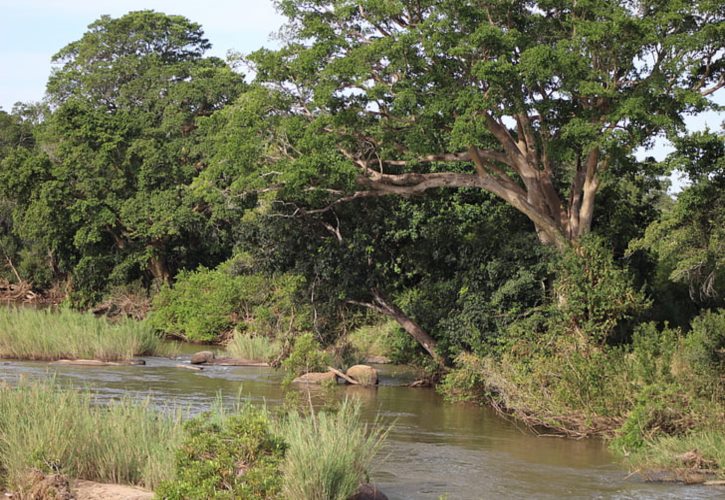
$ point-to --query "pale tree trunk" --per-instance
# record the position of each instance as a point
(157, 264)
(385, 306)
(521, 173)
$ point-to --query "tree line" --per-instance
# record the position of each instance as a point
(456, 167)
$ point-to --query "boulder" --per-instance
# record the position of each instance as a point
(368, 492)
(363, 374)
(315, 378)
(202, 357)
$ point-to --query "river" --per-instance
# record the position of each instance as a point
(434, 450)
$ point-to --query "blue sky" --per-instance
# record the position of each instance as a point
(31, 31)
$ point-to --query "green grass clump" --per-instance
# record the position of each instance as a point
(254, 347)
(695, 452)
(375, 339)
(32, 334)
(227, 456)
(53, 429)
(328, 454)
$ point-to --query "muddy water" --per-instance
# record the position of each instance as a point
(435, 449)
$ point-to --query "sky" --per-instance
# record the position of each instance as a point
(31, 31)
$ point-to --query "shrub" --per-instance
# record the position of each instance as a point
(652, 352)
(307, 356)
(45, 335)
(227, 456)
(54, 429)
(594, 295)
(328, 454)
(204, 305)
(701, 361)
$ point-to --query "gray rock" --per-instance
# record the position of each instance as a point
(363, 374)
(368, 492)
(202, 357)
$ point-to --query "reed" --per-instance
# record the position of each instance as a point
(47, 427)
(253, 347)
(44, 335)
(328, 454)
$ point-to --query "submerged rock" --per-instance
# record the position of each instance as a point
(202, 357)
(368, 492)
(363, 374)
(315, 378)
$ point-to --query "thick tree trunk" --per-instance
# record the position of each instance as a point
(159, 269)
(385, 306)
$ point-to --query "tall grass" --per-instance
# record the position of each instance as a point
(252, 347)
(683, 455)
(328, 454)
(44, 426)
(33, 334)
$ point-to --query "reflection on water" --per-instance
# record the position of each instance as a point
(435, 449)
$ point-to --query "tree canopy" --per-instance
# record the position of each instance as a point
(532, 101)
(107, 191)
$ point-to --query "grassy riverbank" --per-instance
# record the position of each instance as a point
(44, 335)
(46, 427)
(246, 453)
(659, 401)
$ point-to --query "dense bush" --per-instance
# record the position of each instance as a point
(234, 456)
(207, 305)
(665, 383)
(306, 356)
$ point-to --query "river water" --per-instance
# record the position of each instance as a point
(434, 450)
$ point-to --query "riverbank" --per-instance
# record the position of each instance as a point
(659, 402)
(49, 429)
(43, 335)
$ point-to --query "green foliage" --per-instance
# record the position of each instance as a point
(104, 192)
(701, 360)
(47, 335)
(306, 356)
(379, 339)
(55, 429)
(652, 353)
(227, 456)
(205, 305)
(683, 457)
(594, 294)
(329, 454)
(202, 304)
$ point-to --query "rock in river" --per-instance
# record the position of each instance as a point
(368, 492)
(202, 357)
(363, 374)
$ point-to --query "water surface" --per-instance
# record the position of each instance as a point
(435, 449)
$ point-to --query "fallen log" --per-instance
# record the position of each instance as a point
(190, 367)
(98, 362)
(340, 374)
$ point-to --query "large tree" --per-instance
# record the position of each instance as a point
(121, 144)
(533, 101)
